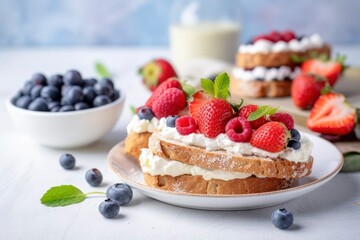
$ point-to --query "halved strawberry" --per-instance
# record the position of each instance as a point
(330, 69)
(332, 114)
(199, 99)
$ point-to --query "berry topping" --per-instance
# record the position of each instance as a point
(109, 208)
(145, 113)
(245, 112)
(120, 192)
(238, 129)
(67, 161)
(289, 35)
(284, 118)
(185, 125)
(295, 134)
(282, 218)
(276, 36)
(170, 121)
(170, 102)
(294, 144)
(170, 83)
(94, 177)
(271, 137)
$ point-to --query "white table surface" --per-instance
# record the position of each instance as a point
(27, 170)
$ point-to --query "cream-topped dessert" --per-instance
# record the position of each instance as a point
(138, 125)
(266, 74)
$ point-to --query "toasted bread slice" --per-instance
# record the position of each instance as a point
(134, 142)
(275, 59)
(197, 184)
(266, 167)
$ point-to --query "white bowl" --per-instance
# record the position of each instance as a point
(67, 129)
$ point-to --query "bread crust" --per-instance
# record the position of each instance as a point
(275, 59)
(266, 167)
(260, 89)
(198, 185)
(134, 142)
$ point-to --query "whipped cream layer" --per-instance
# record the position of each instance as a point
(143, 125)
(295, 45)
(222, 142)
(155, 165)
(265, 74)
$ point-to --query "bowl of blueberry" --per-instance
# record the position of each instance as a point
(66, 111)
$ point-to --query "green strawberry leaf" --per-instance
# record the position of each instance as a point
(188, 89)
(208, 86)
(351, 162)
(236, 107)
(262, 111)
(102, 71)
(62, 196)
(326, 89)
(221, 86)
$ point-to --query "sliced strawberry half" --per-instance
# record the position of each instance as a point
(332, 114)
(199, 99)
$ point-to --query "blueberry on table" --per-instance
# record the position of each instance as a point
(107, 81)
(35, 91)
(73, 95)
(94, 177)
(115, 95)
(101, 100)
(294, 144)
(39, 79)
(81, 106)
(295, 134)
(170, 121)
(23, 102)
(73, 77)
(109, 208)
(282, 218)
(27, 87)
(50, 93)
(145, 113)
(90, 82)
(66, 108)
(67, 161)
(56, 80)
(120, 192)
(89, 94)
(39, 104)
(103, 89)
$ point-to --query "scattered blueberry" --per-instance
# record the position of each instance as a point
(39, 79)
(282, 218)
(107, 81)
(145, 113)
(103, 89)
(56, 80)
(295, 134)
(170, 121)
(90, 82)
(35, 91)
(109, 208)
(101, 100)
(294, 144)
(73, 77)
(39, 104)
(89, 94)
(74, 95)
(115, 95)
(120, 192)
(50, 93)
(27, 87)
(81, 106)
(23, 102)
(67, 161)
(94, 177)
(66, 108)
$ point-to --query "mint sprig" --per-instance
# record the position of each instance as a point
(187, 88)
(219, 88)
(262, 111)
(64, 195)
(102, 71)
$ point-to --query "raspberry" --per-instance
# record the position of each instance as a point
(245, 112)
(288, 36)
(170, 83)
(284, 118)
(170, 102)
(185, 125)
(238, 129)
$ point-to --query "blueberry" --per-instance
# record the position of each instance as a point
(74, 95)
(73, 77)
(145, 113)
(89, 94)
(295, 134)
(67, 161)
(282, 218)
(94, 177)
(294, 144)
(39, 104)
(103, 89)
(50, 93)
(51, 105)
(35, 91)
(27, 87)
(55, 109)
(115, 95)
(39, 79)
(120, 192)
(170, 121)
(65, 89)
(66, 108)
(109, 208)
(90, 82)
(107, 81)
(23, 102)
(81, 106)
(56, 80)
(101, 100)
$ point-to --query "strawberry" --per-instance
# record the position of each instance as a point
(271, 137)
(306, 89)
(199, 98)
(276, 36)
(170, 102)
(213, 116)
(330, 69)
(332, 114)
(245, 112)
(170, 83)
(156, 72)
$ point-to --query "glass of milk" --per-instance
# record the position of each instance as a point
(204, 29)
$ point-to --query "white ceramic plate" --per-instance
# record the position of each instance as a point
(328, 162)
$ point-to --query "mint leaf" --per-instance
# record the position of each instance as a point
(351, 162)
(62, 196)
(208, 86)
(262, 111)
(221, 86)
(236, 107)
(102, 71)
(188, 89)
